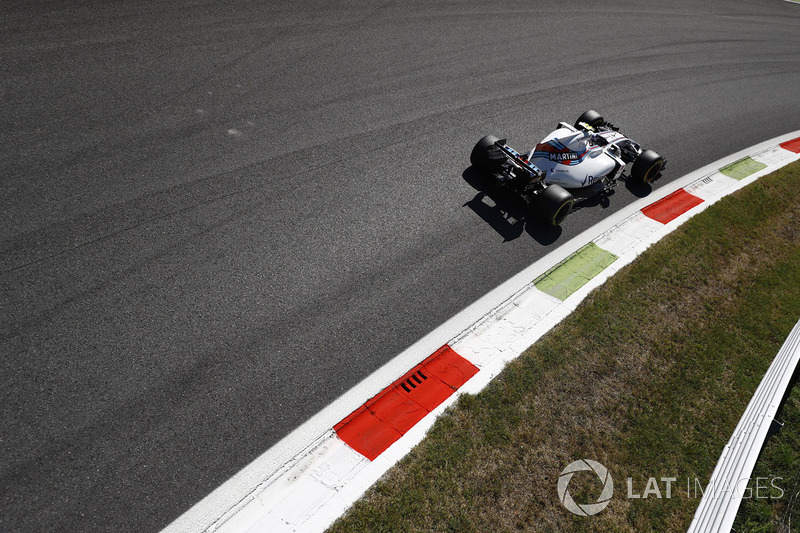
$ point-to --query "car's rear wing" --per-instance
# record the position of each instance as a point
(518, 159)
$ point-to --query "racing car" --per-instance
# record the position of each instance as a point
(572, 164)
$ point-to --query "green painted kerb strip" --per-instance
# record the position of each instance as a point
(575, 271)
(742, 168)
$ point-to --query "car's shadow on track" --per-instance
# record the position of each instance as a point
(505, 211)
(639, 190)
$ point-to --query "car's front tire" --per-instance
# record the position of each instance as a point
(647, 166)
(592, 118)
(553, 204)
(485, 156)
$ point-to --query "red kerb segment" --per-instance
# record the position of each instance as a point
(377, 424)
(792, 146)
(672, 206)
(449, 367)
(397, 410)
(365, 433)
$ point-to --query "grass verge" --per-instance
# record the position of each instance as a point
(649, 376)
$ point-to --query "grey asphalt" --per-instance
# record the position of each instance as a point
(217, 217)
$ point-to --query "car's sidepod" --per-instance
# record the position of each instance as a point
(569, 160)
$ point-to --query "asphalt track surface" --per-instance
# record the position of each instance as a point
(217, 218)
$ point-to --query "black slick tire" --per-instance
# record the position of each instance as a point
(647, 167)
(485, 156)
(553, 204)
(592, 118)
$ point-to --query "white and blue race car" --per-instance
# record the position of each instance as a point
(571, 164)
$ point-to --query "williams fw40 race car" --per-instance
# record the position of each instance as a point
(571, 164)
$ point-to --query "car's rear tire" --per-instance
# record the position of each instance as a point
(553, 204)
(647, 166)
(485, 156)
(592, 118)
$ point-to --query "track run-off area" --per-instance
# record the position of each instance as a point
(218, 219)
